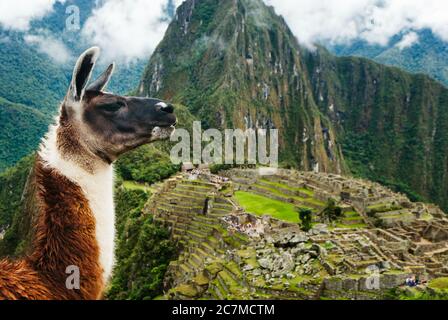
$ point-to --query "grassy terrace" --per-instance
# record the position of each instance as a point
(260, 205)
(351, 226)
(383, 207)
(277, 192)
(285, 186)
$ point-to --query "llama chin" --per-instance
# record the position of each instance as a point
(162, 133)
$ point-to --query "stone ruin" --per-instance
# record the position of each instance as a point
(229, 253)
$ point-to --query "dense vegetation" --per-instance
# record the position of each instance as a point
(306, 219)
(146, 165)
(331, 212)
(30, 78)
(143, 250)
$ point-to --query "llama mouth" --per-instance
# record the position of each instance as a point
(162, 133)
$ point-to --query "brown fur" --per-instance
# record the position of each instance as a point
(64, 236)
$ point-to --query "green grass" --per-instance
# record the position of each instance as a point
(440, 283)
(350, 214)
(352, 218)
(132, 185)
(260, 205)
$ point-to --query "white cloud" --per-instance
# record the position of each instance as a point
(131, 29)
(127, 29)
(50, 46)
(408, 41)
(18, 14)
(375, 21)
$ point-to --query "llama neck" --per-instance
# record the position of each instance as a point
(95, 179)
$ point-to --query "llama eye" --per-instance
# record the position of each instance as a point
(113, 107)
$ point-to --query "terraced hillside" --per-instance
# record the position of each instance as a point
(289, 191)
(239, 236)
(192, 209)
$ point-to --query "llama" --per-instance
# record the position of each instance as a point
(73, 173)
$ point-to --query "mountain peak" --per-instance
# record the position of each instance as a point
(236, 64)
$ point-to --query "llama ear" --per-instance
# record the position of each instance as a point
(82, 73)
(101, 83)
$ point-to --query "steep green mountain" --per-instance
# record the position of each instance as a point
(237, 64)
(393, 125)
(428, 55)
(21, 128)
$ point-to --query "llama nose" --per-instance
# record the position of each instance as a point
(168, 108)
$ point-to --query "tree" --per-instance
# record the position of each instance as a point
(332, 212)
(306, 218)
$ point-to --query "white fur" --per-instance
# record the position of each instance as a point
(71, 95)
(162, 105)
(98, 189)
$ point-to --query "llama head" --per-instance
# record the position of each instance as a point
(109, 125)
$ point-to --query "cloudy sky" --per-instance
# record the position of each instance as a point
(131, 29)
(376, 21)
